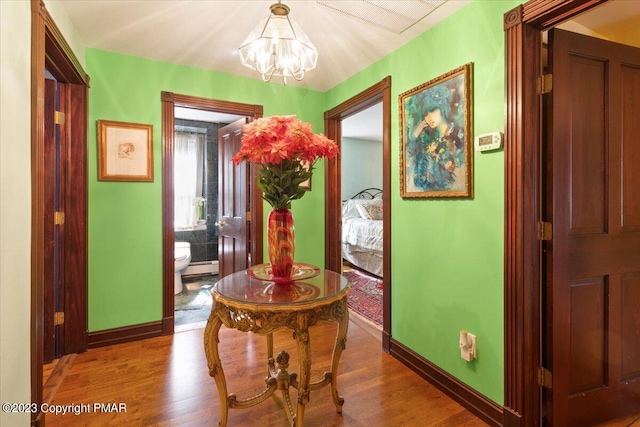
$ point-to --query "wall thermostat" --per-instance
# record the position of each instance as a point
(489, 141)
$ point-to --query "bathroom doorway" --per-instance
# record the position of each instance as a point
(201, 118)
(196, 212)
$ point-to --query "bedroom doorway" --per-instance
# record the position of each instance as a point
(340, 125)
(362, 226)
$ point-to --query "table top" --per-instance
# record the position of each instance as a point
(252, 286)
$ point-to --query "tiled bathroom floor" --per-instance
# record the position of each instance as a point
(193, 304)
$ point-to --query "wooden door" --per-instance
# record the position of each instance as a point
(49, 47)
(233, 193)
(51, 230)
(592, 271)
(64, 187)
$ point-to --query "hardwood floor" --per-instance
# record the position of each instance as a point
(47, 369)
(53, 375)
(164, 381)
(365, 324)
(628, 421)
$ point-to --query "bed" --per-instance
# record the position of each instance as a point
(362, 230)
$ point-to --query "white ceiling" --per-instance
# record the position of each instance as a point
(204, 116)
(366, 124)
(206, 34)
(617, 21)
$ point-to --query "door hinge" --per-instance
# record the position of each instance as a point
(545, 83)
(249, 216)
(58, 318)
(58, 218)
(545, 378)
(545, 230)
(58, 117)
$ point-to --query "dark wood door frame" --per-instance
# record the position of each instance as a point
(49, 49)
(169, 102)
(523, 26)
(380, 92)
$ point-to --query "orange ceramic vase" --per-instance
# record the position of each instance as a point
(281, 240)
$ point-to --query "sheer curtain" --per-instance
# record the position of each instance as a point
(188, 174)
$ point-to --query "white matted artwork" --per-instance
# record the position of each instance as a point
(306, 184)
(125, 151)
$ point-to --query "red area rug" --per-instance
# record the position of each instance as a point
(365, 297)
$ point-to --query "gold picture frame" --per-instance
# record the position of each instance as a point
(436, 131)
(125, 151)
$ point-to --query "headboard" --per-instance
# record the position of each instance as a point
(368, 194)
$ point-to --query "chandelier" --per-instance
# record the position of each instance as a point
(278, 46)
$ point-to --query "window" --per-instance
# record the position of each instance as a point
(188, 174)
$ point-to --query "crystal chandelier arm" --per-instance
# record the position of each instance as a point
(298, 76)
(266, 77)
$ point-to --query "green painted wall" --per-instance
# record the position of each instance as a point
(125, 219)
(447, 255)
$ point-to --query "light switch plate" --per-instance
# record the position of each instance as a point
(470, 352)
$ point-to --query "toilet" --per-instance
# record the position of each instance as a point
(182, 258)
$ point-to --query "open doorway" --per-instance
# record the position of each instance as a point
(362, 225)
(526, 171)
(377, 95)
(195, 115)
(196, 213)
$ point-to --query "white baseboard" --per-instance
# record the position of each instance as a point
(198, 268)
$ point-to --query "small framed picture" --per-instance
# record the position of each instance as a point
(436, 133)
(306, 185)
(125, 151)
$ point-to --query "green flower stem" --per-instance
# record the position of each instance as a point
(280, 183)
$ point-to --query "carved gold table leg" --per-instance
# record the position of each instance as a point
(211, 342)
(341, 342)
(269, 345)
(304, 361)
(271, 370)
(284, 382)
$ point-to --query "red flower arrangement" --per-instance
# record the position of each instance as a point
(284, 149)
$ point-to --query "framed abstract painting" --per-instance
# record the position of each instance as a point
(436, 160)
(125, 151)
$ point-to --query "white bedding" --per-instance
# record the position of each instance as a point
(366, 234)
(361, 238)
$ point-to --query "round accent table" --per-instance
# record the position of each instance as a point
(247, 303)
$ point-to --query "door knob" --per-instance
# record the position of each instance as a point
(220, 223)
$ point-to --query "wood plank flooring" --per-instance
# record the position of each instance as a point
(164, 381)
(47, 369)
(53, 375)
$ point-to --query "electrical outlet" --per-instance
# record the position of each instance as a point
(468, 349)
